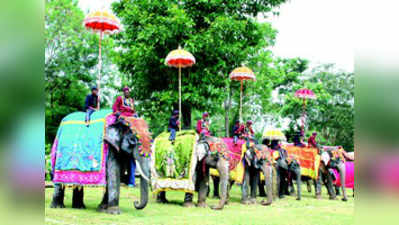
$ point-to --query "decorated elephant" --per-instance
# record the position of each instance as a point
(209, 152)
(257, 160)
(123, 145)
(332, 159)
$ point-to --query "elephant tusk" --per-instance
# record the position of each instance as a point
(141, 172)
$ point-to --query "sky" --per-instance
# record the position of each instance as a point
(318, 30)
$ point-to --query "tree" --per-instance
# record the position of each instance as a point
(71, 56)
(332, 113)
(220, 34)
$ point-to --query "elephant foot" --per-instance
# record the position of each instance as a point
(188, 204)
(57, 205)
(245, 202)
(265, 203)
(344, 199)
(332, 198)
(162, 200)
(252, 201)
(102, 208)
(298, 198)
(217, 207)
(202, 205)
(114, 210)
(79, 206)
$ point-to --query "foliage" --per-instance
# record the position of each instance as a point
(220, 34)
(180, 153)
(71, 57)
(332, 113)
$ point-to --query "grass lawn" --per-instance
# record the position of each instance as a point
(285, 211)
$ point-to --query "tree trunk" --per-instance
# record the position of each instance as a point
(186, 113)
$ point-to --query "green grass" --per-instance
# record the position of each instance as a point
(286, 211)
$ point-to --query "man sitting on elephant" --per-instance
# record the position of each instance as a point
(124, 105)
(203, 125)
(237, 131)
(173, 125)
(248, 133)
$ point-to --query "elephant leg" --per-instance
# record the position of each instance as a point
(77, 198)
(188, 200)
(244, 187)
(261, 186)
(275, 183)
(291, 187)
(317, 185)
(223, 169)
(297, 173)
(254, 186)
(342, 176)
(228, 191)
(113, 183)
(161, 197)
(337, 192)
(58, 196)
(268, 173)
(329, 185)
(216, 182)
(308, 185)
(203, 187)
(283, 183)
(104, 203)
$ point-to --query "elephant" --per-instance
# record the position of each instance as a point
(326, 176)
(257, 159)
(122, 147)
(329, 162)
(208, 157)
(287, 171)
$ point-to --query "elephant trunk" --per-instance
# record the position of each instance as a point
(342, 176)
(268, 174)
(143, 194)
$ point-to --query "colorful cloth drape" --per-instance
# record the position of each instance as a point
(235, 156)
(308, 159)
(140, 127)
(350, 175)
(173, 166)
(78, 154)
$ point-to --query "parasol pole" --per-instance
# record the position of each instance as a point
(180, 116)
(303, 116)
(99, 69)
(241, 100)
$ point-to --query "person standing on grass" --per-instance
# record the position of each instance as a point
(91, 104)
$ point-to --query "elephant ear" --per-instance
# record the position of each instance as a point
(325, 158)
(248, 157)
(201, 151)
(112, 136)
(129, 141)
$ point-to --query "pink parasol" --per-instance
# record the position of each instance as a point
(304, 94)
(180, 58)
(102, 22)
(241, 74)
